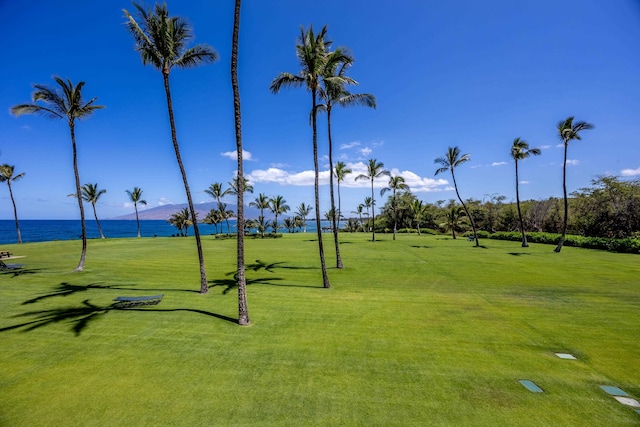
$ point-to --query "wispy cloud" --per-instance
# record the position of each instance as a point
(524, 182)
(498, 163)
(630, 172)
(546, 147)
(164, 201)
(279, 165)
(349, 145)
(366, 151)
(573, 162)
(234, 155)
(561, 145)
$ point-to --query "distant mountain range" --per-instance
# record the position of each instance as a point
(164, 212)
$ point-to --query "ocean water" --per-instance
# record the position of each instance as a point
(48, 230)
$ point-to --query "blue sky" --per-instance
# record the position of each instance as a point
(466, 73)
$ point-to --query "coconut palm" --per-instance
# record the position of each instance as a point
(91, 194)
(341, 172)
(213, 217)
(396, 183)
(215, 190)
(233, 186)
(278, 206)
(333, 92)
(225, 214)
(359, 210)
(568, 131)
(303, 211)
(241, 185)
(181, 220)
(261, 202)
(161, 41)
(519, 151)
(454, 219)
(419, 210)
(312, 52)
(375, 170)
(66, 103)
(368, 203)
(449, 162)
(6, 175)
(136, 197)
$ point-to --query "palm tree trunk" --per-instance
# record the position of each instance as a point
(395, 215)
(333, 205)
(95, 215)
(135, 205)
(243, 310)
(325, 277)
(566, 202)
(524, 236)
(373, 213)
(15, 211)
(204, 286)
(473, 223)
(83, 254)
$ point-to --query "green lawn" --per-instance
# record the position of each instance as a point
(424, 330)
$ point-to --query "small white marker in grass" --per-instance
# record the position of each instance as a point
(627, 401)
(566, 356)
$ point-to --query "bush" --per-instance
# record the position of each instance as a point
(628, 245)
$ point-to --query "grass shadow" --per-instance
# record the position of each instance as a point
(15, 272)
(421, 246)
(261, 265)
(518, 253)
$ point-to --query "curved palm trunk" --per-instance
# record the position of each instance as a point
(395, 215)
(243, 310)
(325, 277)
(83, 254)
(373, 214)
(95, 215)
(333, 205)
(566, 202)
(135, 205)
(524, 236)
(204, 286)
(473, 223)
(15, 211)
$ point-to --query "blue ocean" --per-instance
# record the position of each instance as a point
(49, 230)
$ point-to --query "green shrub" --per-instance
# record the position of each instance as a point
(628, 245)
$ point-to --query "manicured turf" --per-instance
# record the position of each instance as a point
(424, 330)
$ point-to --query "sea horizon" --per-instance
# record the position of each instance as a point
(46, 230)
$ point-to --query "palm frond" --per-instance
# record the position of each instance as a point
(286, 79)
(195, 56)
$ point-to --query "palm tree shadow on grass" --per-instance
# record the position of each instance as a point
(517, 253)
(81, 317)
(15, 272)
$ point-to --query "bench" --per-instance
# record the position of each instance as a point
(125, 302)
(4, 266)
(5, 254)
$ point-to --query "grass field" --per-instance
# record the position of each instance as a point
(424, 330)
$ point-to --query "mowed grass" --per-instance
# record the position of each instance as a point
(424, 330)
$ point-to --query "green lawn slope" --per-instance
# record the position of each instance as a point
(424, 330)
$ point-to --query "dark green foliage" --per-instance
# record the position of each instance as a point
(627, 245)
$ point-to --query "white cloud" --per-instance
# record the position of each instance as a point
(349, 145)
(545, 147)
(366, 151)
(279, 165)
(280, 176)
(561, 145)
(475, 166)
(163, 201)
(498, 163)
(630, 172)
(573, 162)
(234, 155)
(378, 144)
(524, 182)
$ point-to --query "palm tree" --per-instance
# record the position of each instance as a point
(375, 170)
(233, 186)
(6, 175)
(449, 162)
(215, 190)
(91, 194)
(241, 183)
(333, 92)
(341, 172)
(182, 220)
(161, 41)
(396, 183)
(303, 211)
(418, 209)
(278, 206)
(136, 197)
(454, 219)
(261, 202)
(358, 212)
(289, 224)
(66, 103)
(568, 131)
(519, 151)
(368, 203)
(311, 51)
(225, 214)
(213, 217)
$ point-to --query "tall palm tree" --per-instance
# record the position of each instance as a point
(278, 206)
(234, 185)
(449, 162)
(213, 217)
(6, 175)
(182, 220)
(375, 170)
(368, 203)
(358, 212)
(225, 214)
(312, 52)
(454, 219)
(91, 194)
(66, 103)
(261, 202)
(241, 183)
(519, 151)
(303, 211)
(161, 41)
(341, 172)
(136, 197)
(215, 190)
(333, 92)
(418, 209)
(568, 131)
(396, 183)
